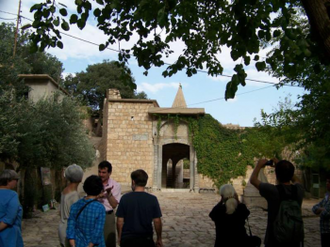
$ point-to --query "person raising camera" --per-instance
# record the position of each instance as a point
(288, 188)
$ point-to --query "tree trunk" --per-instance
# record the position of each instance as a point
(318, 14)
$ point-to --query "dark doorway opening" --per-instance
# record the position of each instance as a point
(176, 166)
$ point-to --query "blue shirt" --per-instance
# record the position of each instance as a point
(11, 214)
(88, 228)
(325, 215)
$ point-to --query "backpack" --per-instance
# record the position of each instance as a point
(288, 224)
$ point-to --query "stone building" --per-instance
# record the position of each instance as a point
(42, 86)
(137, 134)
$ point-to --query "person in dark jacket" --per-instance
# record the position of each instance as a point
(229, 216)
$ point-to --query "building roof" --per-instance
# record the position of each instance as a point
(181, 111)
(179, 107)
(147, 101)
(179, 101)
(38, 77)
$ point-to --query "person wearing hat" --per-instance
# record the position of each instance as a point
(69, 195)
(87, 217)
(11, 211)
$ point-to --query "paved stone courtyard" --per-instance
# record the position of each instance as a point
(185, 222)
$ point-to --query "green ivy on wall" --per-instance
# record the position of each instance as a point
(219, 151)
(223, 153)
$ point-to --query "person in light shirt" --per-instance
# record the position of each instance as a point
(112, 194)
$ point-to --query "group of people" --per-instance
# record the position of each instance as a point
(90, 221)
(230, 215)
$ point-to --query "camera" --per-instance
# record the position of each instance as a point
(269, 163)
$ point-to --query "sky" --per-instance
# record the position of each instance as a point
(200, 90)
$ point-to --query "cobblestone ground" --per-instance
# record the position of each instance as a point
(185, 222)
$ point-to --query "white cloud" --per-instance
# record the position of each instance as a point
(66, 74)
(154, 88)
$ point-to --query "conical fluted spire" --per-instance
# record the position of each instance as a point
(179, 101)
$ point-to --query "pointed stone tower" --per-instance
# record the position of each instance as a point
(179, 101)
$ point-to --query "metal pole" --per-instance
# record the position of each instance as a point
(16, 32)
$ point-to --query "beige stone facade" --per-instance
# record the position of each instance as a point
(133, 138)
(137, 134)
(129, 142)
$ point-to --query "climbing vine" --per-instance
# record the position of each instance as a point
(159, 124)
(218, 151)
(223, 153)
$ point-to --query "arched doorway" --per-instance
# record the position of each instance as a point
(175, 157)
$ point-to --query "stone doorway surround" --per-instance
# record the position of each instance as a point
(172, 165)
(176, 146)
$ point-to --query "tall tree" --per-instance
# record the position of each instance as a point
(91, 86)
(24, 62)
(48, 133)
(309, 120)
(245, 26)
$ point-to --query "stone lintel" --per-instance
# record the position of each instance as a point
(182, 111)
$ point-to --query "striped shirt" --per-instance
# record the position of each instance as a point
(88, 228)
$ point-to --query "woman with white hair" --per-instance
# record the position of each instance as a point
(229, 216)
(69, 196)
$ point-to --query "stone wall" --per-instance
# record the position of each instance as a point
(129, 139)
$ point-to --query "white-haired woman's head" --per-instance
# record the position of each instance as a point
(74, 173)
(228, 196)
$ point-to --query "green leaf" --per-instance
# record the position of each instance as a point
(65, 26)
(73, 19)
(63, 12)
(36, 24)
(81, 24)
(33, 48)
(307, 52)
(261, 34)
(247, 60)
(97, 12)
(260, 66)
(231, 88)
(56, 22)
(161, 18)
(276, 33)
(101, 47)
(59, 44)
(235, 54)
(52, 9)
(46, 13)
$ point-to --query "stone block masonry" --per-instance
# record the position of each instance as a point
(129, 143)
